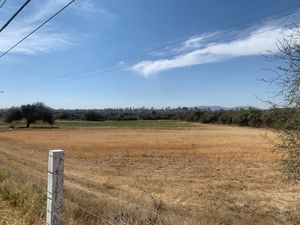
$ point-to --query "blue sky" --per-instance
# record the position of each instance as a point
(183, 53)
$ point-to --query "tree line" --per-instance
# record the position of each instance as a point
(251, 117)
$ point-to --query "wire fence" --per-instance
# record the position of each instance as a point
(67, 200)
(11, 171)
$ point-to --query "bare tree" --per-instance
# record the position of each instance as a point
(287, 83)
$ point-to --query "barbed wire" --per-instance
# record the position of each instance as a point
(14, 173)
(64, 199)
(88, 211)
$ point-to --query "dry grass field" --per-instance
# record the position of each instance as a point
(201, 174)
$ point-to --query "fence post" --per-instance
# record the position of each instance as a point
(55, 187)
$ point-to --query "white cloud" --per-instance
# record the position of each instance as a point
(197, 50)
(51, 37)
(44, 41)
(198, 40)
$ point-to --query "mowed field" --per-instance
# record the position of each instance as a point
(190, 173)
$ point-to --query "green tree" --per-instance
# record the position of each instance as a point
(254, 118)
(240, 117)
(13, 114)
(93, 116)
(30, 113)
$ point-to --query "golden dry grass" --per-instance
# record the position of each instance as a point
(205, 174)
(9, 216)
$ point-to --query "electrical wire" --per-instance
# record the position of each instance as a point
(101, 71)
(2, 4)
(14, 15)
(144, 54)
(36, 29)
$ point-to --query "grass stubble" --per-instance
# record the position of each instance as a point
(203, 174)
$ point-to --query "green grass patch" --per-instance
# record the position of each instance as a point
(160, 124)
(142, 124)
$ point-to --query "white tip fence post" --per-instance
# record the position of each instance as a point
(55, 187)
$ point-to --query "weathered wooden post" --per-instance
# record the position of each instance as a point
(55, 187)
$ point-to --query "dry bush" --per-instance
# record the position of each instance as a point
(290, 146)
(287, 88)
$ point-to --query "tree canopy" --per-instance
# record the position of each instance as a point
(30, 113)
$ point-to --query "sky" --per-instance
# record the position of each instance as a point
(158, 53)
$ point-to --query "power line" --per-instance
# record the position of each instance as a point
(65, 79)
(144, 54)
(16, 13)
(2, 4)
(180, 42)
(32, 32)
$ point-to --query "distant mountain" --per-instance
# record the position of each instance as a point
(243, 107)
(216, 107)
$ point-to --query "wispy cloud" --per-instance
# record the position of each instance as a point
(45, 41)
(51, 37)
(89, 6)
(205, 48)
(197, 41)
